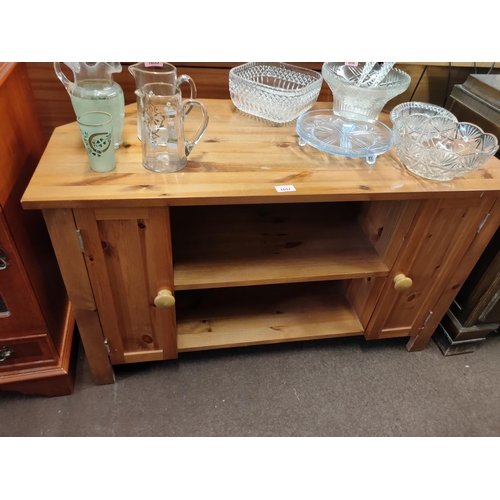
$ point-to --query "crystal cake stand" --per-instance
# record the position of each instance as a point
(342, 136)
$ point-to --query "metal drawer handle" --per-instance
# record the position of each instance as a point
(5, 352)
(4, 262)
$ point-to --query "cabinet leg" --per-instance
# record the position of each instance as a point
(62, 230)
(418, 342)
(89, 327)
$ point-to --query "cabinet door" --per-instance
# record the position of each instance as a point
(129, 261)
(386, 223)
(440, 235)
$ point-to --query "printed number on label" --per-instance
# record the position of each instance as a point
(284, 189)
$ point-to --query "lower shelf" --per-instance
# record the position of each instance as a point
(230, 317)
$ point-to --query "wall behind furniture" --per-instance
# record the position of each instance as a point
(430, 82)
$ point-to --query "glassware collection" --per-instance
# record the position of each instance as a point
(428, 139)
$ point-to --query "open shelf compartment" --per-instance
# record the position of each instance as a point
(229, 317)
(227, 246)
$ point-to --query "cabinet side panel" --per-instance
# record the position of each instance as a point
(363, 295)
(461, 271)
(62, 230)
(387, 223)
(97, 267)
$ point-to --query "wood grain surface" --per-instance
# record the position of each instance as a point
(240, 160)
(263, 244)
(230, 317)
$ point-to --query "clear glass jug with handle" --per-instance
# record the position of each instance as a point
(164, 147)
(94, 89)
(157, 72)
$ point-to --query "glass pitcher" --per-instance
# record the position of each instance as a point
(95, 90)
(164, 148)
(157, 72)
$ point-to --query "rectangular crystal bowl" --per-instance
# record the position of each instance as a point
(278, 92)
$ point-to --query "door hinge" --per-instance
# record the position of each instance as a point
(483, 222)
(80, 240)
(106, 345)
(426, 320)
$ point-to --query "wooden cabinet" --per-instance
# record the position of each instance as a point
(354, 249)
(36, 324)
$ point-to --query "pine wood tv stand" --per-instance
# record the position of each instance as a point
(225, 253)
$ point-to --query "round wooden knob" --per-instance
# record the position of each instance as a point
(164, 299)
(402, 282)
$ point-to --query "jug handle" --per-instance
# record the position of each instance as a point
(190, 81)
(189, 103)
(62, 76)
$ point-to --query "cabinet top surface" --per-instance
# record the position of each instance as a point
(240, 159)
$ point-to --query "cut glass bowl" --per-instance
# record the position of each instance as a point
(360, 102)
(278, 92)
(439, 148)
(422, 108)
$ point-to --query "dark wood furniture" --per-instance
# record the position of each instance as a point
(477, 100)
(36, 323)
(475, 312)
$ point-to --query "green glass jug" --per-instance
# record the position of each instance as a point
(95, 90)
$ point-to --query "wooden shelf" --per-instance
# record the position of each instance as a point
(263, 315)
(225, 246)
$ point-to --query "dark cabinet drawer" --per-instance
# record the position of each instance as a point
(25, 352)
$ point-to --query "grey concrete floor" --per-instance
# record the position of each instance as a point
(338, 387)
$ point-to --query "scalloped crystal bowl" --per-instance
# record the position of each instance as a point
(278, 92)
(422, 108)
(361, 102)
(441, 149)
